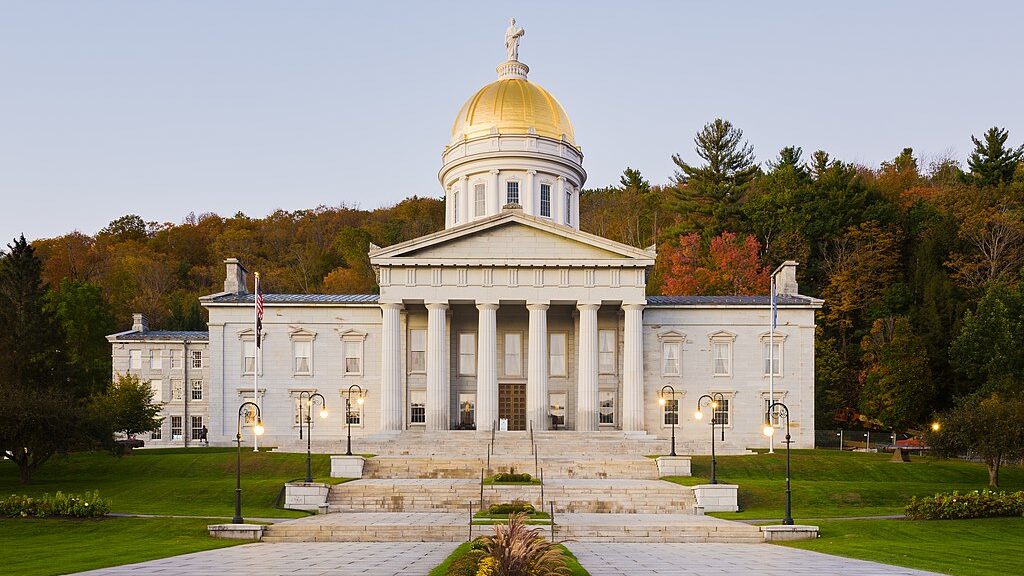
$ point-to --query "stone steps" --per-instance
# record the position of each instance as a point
(454, 495)
(468, 467)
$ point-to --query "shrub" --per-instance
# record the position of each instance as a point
(467, 564)
(956, 506)
(88, 505)
(516, 548)
(512, 476)
(514, 507)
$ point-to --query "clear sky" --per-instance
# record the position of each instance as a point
(165, 108)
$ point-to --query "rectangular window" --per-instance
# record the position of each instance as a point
(606, 356)
(176, 433)
(670, 358)
(513, 354)
(479, 199)
(512, 192)
(467, 354)
(557, 352)
(197, 389)
(556, 409)
(135, 359)
(175, 360)
(417, 406)
(455, 207)
(355, 412)
(670, 411)
(772, 358)
(721, 353)
(417, 351)
(177, 390)
(467, 411)
(156, 434)
(248, 356)
(248, 415)
(568, 207)
(545, 200)
(722, 412)
(197, 359)
(303, 350)
(353, 356)
(156, 359)
(606, 407)
(157, 389)
(776, 415)
(197, 427)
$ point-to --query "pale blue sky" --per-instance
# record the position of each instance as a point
(166, 108)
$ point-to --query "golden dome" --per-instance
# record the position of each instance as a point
(512, 106)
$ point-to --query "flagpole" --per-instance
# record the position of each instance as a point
(771, 363)
(256, 357)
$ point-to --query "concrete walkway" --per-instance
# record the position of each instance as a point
(308, 559)
(614, 559)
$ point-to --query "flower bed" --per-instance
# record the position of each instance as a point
(976, 504)
(88, 505)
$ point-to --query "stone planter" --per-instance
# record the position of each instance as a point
(717, 497)
(347, 466)
(782, 533)
(309, 496)
(236, 531)
(673, 465)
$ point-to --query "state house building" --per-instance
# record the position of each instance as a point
(510, 313)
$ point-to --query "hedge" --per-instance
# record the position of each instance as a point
(976, 504)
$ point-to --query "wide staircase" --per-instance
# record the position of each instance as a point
(423, 486)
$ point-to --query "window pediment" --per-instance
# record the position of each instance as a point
(722, 335)
(301, 333)
(672, 336)
(351, 334)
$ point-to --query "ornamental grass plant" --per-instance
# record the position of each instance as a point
(518, 550)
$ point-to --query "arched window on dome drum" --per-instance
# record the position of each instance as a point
(568, 206)
(512, 192)
(455, 207)
(545, 200)
(480, 199)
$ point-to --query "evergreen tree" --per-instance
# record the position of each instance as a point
(992, 163)
(898, 388)
(83, 315)
(790, 160)
(632, 180)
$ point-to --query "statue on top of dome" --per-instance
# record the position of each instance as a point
(512, 36)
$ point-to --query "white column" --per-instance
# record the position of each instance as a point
(438, 387)
(586, 384)
(531, 205)
(391, 368)
(558, 202)
(487, 366)
(633, 369)
(494, 201)
(464, 200)
(537, 367)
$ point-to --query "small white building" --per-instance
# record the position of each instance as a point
(510, 313)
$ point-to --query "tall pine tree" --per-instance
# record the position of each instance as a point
(992, 163)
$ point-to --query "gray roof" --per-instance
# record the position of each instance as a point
(296, 299)
(175, 335)
(781, 299)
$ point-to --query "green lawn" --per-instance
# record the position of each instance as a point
(985, 547)
(442, 568)
(196, 481)
(829, 483)
(41, 547)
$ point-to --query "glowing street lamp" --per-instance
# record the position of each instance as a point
(257, 430)
(311, 399)
(675, 417)
(936, 426)
(714, 401)
(769, 430)
(348, 413)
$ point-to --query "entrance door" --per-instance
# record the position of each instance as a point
(512, 405)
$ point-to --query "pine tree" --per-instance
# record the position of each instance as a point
(790, 160)
(632, 180)
(992, 163)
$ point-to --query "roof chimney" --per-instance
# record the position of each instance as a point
(139, 323)
(785, 278)
(235, 282)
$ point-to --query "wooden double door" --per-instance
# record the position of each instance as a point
(512, 404)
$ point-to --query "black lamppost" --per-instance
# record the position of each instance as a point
(675, 416)
(310, 401)
(714, 401)
(769, 430)
(257, 429)
(348, 413)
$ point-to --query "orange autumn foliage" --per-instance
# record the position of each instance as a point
(728, 265)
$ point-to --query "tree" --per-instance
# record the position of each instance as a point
(715, 189)
(990, 427)
(728, 265)
(989, 350)
(898, 388)
(632, 179)
(790, 159)
(128, 227)
(992, 163)
(79, 308)
(127, 407)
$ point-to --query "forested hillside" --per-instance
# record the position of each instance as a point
(919, 262)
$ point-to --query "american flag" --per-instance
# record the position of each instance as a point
(259, 312)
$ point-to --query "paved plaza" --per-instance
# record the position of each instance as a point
(615, 559)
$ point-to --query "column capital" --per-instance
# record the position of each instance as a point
(486, 305)
(436, 305)
(463, 178)
(633, 306)
(581, 306)
(531, 172)
(560, 179)
(537, 306)
(494, 171)
(391, 305)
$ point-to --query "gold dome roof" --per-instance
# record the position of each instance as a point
(512, 106)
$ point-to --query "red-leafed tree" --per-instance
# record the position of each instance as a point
(727, 265)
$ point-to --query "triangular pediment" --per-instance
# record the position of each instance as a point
(512, 236)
